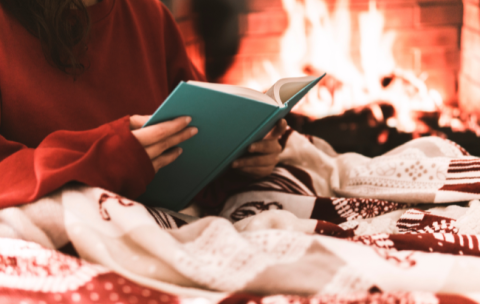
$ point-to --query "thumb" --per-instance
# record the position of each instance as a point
(279, 129)
(137, 121)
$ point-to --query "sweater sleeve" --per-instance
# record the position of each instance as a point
(108, 156)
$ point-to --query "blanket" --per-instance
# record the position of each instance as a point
(323, 228)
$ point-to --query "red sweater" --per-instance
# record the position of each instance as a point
(55, 130)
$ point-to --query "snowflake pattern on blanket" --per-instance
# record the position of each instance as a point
(324, 228)
(32, 274)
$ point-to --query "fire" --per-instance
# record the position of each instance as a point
(318, 41)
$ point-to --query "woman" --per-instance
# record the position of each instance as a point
(77, 81)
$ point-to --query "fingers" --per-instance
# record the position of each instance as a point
(267, 155)
(257, 172)
(278, 131)
(153, 134)
(166, 158)
(257, 161)
(265, 147)
(159, 139)
(160, 147)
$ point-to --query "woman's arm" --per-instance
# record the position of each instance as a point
(111, 156)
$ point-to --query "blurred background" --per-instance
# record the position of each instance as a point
(397, 69)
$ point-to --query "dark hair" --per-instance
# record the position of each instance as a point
(62, 26)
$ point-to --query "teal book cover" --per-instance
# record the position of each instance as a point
(227, 123)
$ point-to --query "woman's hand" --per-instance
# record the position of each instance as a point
(263, 155)
(160, 138)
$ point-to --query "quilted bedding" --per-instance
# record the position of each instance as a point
(324, 228)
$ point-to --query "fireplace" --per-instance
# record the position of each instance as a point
(398, 69)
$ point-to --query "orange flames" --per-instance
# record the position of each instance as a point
(317, 40)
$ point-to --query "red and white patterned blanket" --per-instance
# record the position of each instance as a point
(324, 228)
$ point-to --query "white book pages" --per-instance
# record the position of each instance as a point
(236, 90)
(277, 95)
(286, 88)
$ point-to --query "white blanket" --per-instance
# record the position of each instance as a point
(257, 248)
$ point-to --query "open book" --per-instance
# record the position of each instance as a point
(229, 118)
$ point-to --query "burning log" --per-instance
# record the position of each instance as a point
(403, 110)
(358, 130)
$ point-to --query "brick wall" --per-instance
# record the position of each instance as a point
(262, 29)
(469, 93)
(427, 39)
